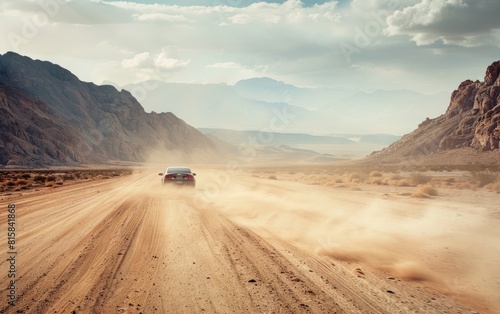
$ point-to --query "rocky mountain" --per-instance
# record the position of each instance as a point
(471, 124)
(50, 117)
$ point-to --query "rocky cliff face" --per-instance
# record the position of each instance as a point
(477, 105)
(472, 120)
(50, 117)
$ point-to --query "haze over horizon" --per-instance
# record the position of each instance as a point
(419, 45)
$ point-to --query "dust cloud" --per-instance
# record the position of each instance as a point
(450, 246)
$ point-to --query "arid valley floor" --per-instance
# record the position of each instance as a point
(254, 240)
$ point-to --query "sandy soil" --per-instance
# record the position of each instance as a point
(242, 244)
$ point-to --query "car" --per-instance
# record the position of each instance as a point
(179, 176)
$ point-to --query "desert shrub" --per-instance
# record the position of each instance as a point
(68, 176)
(450, 181)
(331, 183)
(493, 186)
(375, 174)
(59, 182)
(49, 184)
(26, 176)
(22, 182)
(395, 177)
(10, 183)
(51, 178)
(403, 182)
(355, 177)
(377, 181)
(425, 191)
(483, 178)
(17, 188)
(419, 179)
(40, 178)
(462, 185)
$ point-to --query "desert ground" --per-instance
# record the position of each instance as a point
(280, 239)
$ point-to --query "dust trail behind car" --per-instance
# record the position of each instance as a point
(450, 246)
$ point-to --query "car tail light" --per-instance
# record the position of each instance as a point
(189, 177)
(169, 176)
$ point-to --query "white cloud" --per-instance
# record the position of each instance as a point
(224, 65)
(460, 22)
(161, 17)
(290, 41)
(166, 62)
(241, 19)
(136, 61)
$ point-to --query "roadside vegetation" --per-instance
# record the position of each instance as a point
(21, 180)
(425, 182)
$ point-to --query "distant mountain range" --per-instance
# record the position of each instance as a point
(468, 132)
(255, 104)
(338, 146)
(50, 117)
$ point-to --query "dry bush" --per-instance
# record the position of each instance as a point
(495, 186)
(425, 191)
(59, 182)
(403, 182)
(10, 183)
(40, 178)
(450, 181)
(484, 178)
(377, 181)
(356, 177)
(462, 185)
(49, 184)
(375, 174)
(395, 177)
(68, 176)
(21, 182)
(26, 176)
(272, 177)
(17, 188)
(419, 179)
(331, 182)
(51, 178)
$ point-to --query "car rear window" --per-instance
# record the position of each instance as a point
(178, 170)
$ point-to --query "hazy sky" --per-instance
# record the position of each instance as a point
(422, 45)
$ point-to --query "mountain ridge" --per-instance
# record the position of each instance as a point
(315, 111)
(103, 123)
(469, 127)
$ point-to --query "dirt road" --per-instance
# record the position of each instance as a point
(237, 244)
